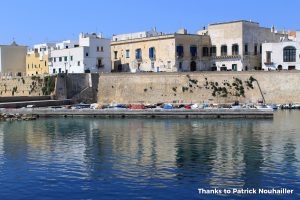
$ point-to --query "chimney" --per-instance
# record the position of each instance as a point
(273, 29)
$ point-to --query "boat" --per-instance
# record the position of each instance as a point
(263, 107)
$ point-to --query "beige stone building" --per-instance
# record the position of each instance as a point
(12, 59)
(158, 52)
(237, 45)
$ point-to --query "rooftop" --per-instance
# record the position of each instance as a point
(237, 21)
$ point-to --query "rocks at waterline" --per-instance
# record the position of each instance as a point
(16, 117)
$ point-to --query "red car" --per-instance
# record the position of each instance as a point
(188, 107)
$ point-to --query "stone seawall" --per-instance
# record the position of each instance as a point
(199, 87)
(21, 86)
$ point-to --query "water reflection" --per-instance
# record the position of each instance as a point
(98, 155)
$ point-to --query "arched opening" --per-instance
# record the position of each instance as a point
(120, 68)
(193, 66)
(223, 50)
(223, 68)
(289, 54)
(279, 67)
(235, 49)
(205, 52)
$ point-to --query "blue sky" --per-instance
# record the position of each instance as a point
(35, 21)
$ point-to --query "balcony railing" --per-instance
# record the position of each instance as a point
(227, 57)
(138, 59)
(268, 63)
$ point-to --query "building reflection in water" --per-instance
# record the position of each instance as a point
(216, 153)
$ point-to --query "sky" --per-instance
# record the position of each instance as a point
(35, 21)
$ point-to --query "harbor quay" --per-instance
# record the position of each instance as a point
(149, 113)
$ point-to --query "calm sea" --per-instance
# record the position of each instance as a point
(90, 158)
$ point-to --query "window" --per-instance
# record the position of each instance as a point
(76, 45)
(260, 49)
(54, 59)
(60, 59)
(193, 51)
(28, 66)
(39, 65)
(213, 51)
(138, 54)
(127, 53)
(152, 65)
(152, 53)
(246, 49)
(67, 47)
(59, 70)
(180, 65)
(66, 58)
(71, 58)
(45, 63)
(235, 49)
(255, 49)
(205, 52)
(78, 63)
(179, 51)
(223, 50)
(86, 54)
(268, 56)
(99, 63)
(102, 48)
(116, 54)
(289, 54)
(53, 71)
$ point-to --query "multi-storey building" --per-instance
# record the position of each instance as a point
(237, 45)
(37, 59)
(157, 52)
(282, 55)
(12, 59)
(90, 54)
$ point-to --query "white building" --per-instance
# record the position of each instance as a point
(282, 55)
(12, 59)
(136, 35)
(90, 54)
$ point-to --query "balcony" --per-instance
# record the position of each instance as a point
(194, 57)
(138, 60)
(153, 58)
(226, 57)
(268, 63)
(100, 66)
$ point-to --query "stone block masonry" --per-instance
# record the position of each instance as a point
(205, 87)
(21, 86)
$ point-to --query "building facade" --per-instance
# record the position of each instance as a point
(90, 54)
(12, 59)
(37, 59)
(157, 52)
(237, 45)
(282, 55)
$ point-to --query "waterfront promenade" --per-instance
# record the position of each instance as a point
(149, 113)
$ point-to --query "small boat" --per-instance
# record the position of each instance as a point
(273, 106)
(263, 108)
(296, 106)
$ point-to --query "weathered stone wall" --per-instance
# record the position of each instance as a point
(21, 86)
(274, 87)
